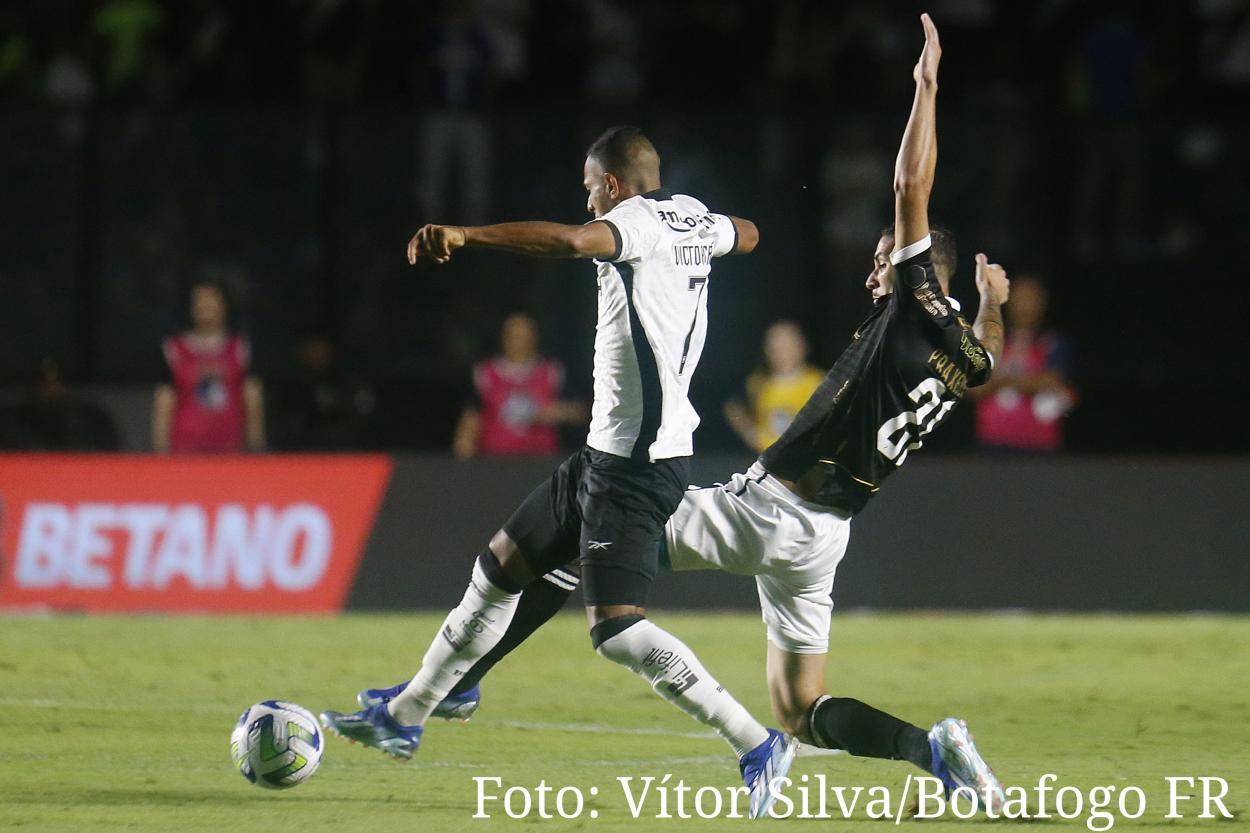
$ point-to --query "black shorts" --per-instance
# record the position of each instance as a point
(606, 513)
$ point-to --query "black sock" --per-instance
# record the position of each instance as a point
(540, 600)
(845, 723)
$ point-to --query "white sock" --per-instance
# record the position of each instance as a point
(466, 635)
(677, 675)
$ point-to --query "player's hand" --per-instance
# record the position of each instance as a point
(435, 242)
(927, 67)
(992, 280)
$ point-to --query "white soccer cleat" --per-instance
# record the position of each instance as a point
(957, 763)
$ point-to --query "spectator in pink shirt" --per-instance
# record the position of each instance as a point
(516, 406)
(1023, 405)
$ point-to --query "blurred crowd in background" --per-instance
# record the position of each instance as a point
(1122, 54)
(284, 152)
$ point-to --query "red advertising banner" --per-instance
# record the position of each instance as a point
(232, 533)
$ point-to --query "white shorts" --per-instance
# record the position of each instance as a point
(755, 526)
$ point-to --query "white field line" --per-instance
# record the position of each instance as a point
(532, 726)
(596, 728)
(583, 728)
(639, 764)
(600, 729)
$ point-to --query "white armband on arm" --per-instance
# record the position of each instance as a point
(911, 250)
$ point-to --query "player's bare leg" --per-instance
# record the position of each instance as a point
(795, 682)
(796, 686)
(511, 559)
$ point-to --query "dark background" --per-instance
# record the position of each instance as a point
(1140, 533)
(281, 146)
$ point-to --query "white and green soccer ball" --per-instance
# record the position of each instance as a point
(276, 744)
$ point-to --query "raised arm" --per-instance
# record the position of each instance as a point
(539, 239)
(994, 288)
(917, 157)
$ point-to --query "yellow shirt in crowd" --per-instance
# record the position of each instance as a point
(776, 399)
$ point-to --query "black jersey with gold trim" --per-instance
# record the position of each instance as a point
(907, 366)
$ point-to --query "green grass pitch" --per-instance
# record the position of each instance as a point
(123, 723)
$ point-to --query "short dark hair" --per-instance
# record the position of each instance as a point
(945, 255)
(620, 149)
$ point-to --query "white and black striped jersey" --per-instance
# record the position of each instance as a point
(652, 323)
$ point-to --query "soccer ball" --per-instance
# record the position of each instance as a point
(276, 744)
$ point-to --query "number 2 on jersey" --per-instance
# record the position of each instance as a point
(904, 432)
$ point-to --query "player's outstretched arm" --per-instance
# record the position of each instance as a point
(748, 235)
(994, 288)
(538, 239)
(917, 157)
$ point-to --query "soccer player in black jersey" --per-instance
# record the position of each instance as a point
(787, 519)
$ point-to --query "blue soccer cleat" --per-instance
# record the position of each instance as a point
(957, 764)
(765, 764)
(373, 696)
(375, 727)
(453, 706)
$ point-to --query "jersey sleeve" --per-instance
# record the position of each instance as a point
(725, 233)
(917, 289)
(916, 285)
(962, 343)
(635, 231)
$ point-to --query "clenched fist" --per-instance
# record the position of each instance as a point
(992, 280)
(435, 242)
